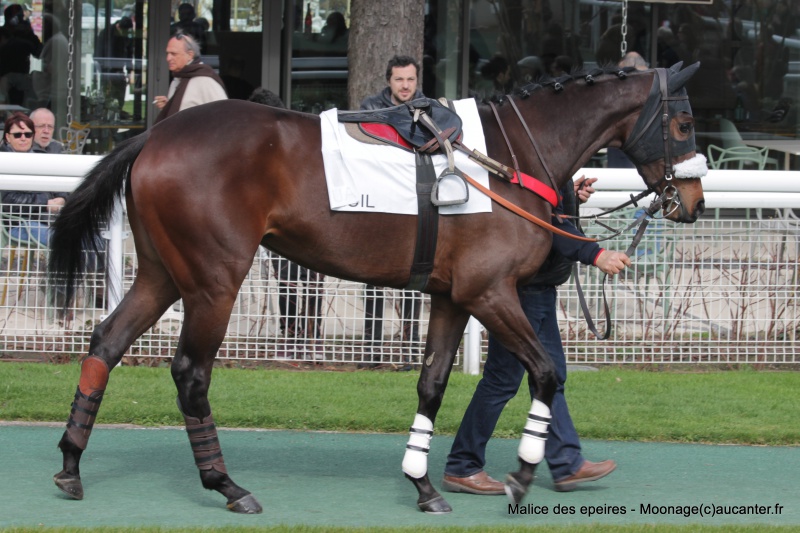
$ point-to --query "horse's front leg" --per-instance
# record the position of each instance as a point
(446, 326)
(202, 333)
(505, 319)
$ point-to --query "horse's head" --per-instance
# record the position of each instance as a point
(661, 145)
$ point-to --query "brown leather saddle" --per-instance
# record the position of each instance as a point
(401, 125)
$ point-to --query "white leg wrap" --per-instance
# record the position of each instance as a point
(531, 447)
(415, 461)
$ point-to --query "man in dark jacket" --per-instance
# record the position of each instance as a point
(503, 373)
(402, 74)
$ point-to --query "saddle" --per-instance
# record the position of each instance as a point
(423, 126)
(415, 125)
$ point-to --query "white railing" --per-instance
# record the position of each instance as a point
(721, 290)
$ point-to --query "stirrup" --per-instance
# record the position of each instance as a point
(455, 186)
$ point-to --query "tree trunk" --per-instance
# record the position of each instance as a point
(379, 30)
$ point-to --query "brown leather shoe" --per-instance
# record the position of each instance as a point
(588, 471)
(479, 483)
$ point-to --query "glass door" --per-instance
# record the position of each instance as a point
(319, 55)
(113, 71)
(231, 42)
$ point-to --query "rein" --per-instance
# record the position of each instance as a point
(643, 221)
(521, 212)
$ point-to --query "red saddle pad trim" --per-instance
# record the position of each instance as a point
(384, 131)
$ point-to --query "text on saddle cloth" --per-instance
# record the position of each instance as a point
(382, 179)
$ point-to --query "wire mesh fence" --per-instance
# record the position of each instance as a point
(722, 290)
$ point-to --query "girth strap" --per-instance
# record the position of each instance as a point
(427, 224)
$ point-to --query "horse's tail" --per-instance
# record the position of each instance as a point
(77, 226)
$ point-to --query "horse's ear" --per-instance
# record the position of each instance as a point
(674, 69)
(679, 79)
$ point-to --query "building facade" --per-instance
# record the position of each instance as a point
(100, 62)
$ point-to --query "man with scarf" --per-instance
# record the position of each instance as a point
(194, 83)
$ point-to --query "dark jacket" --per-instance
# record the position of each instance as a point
(383, 99)
(54, 147)
(557, 267)
(31, 205)
(27, 204)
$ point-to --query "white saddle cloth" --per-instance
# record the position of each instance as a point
(382, 179)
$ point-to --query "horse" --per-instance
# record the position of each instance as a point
(205, 188)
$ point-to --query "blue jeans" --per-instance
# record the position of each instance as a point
(32, 229)
(502, 375)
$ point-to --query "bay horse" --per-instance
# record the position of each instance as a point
(205, 188)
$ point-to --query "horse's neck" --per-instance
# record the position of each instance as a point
(569, 127)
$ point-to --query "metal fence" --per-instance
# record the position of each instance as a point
(721, 290)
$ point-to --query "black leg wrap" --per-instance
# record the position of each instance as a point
(205, 443)
(82, 416)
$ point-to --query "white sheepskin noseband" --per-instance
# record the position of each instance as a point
(695, 167)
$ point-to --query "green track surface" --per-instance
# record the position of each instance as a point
(146, 477)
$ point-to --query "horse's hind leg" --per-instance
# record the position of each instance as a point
(446, 326)
(150, 295)
(206, 320)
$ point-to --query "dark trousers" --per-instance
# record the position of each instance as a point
(502, 376)
(410, 305)
(301, 314)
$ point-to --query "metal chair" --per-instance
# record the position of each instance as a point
(74, 137)
(740, 156)
(731, 138)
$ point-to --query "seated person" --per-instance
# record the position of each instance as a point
(33, 207)
(44, 122)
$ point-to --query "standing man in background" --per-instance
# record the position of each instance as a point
(194, 82)
(402, 76)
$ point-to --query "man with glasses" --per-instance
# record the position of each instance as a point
(44, 126)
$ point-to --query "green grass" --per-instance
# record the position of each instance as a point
(732, 407)
(593, 528)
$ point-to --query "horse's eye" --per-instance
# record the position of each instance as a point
(685, 127)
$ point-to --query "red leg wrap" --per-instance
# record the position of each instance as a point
(94, 375)
(205, 444)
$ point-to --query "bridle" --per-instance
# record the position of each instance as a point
(659, 103)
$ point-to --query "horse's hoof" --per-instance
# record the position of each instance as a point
(246, 505)
(436, 505)
(515, 490)
(69, 485)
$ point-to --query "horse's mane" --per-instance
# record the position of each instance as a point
(557, 83)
